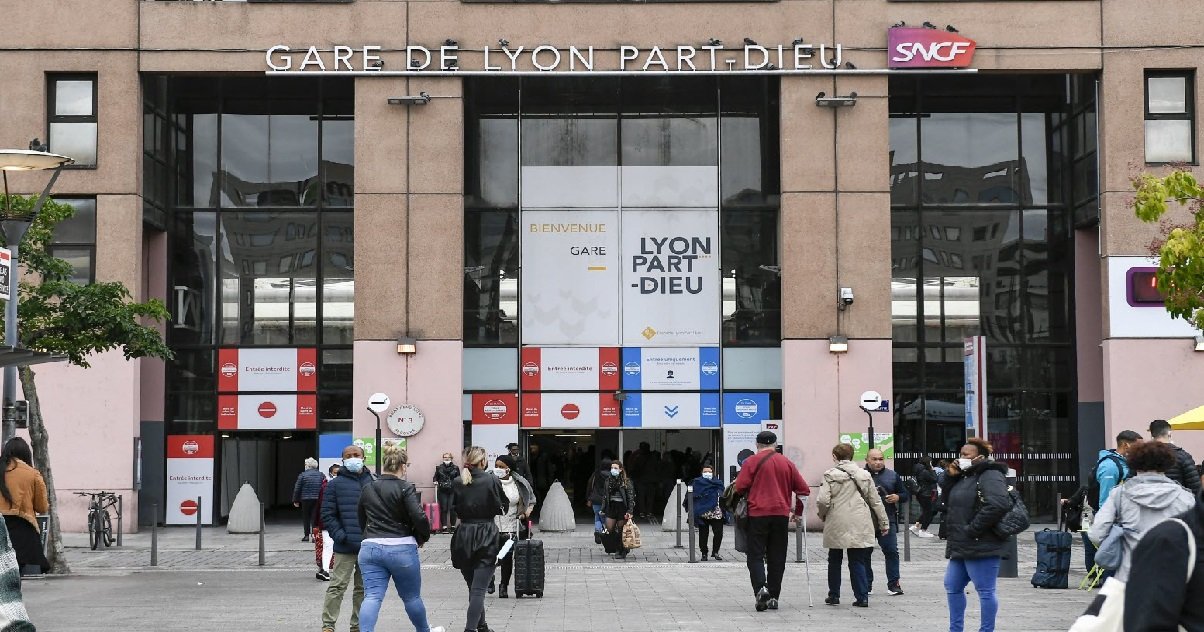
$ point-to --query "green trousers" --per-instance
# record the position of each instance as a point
(344, 567)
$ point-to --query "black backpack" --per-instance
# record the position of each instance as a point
(1093, 479)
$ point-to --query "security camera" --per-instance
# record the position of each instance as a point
(846, 296)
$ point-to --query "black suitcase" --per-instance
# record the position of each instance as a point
(1053, 559)
(528, 568)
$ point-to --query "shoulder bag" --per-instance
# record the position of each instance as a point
(1015, 521)
(861, 493)
(1111, 552)
(740, 510)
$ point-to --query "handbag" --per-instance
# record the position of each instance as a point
(1015, 521)
(1111, 552)
(1107, 612)
(740, 508)
(631, 535)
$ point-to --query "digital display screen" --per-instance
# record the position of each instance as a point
(1143, 288)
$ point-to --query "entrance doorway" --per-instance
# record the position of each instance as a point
(269, 461)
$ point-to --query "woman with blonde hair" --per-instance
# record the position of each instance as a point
(478, 498)
(853, 516)
(394, 526)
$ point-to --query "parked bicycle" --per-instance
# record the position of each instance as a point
(100, 524)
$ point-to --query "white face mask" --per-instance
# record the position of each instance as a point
(964, 463)
(501, 472)
(447, 461)
(708, 475)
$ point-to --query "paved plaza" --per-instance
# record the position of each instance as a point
(655, 589)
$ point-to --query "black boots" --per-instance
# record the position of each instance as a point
(503, 591)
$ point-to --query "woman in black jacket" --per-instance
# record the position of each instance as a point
(478, 497)
(619, 503)
(445, 474)
(977, 500)
(926, 494)
(394, 526)
(1158, 595)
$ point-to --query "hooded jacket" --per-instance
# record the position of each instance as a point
(1109, 474)
(846, 497)
(444, 475)
(1142, 502)
(969, 532)
(1158, 596)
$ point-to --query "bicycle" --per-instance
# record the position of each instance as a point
(100, 524)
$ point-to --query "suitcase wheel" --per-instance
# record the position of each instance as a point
(539, 595)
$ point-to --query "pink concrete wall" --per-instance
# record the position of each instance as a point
(91, 416)
(154, 372)
(429, 379)
(1152, 379)
(820, 398)
(1089, 318)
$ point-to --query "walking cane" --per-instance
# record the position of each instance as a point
(802, 524)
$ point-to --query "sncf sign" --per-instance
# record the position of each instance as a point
(928, 48)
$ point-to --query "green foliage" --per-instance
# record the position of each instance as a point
(1181, 253)
(61, 317)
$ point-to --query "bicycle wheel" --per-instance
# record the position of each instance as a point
(107, 528)
(93, 529)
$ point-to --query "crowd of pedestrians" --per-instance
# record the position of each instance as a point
(1146, 506)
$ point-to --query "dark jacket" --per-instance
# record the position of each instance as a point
(340, 515)
(445, 475)
(889, 482)
(706, 496)
(308, 486)
(475, 542)
(969, 534)
(925, 478)
(597, 484)
(1158, 596)
(1184, 471)
(524, 470)
(621, 490)
(389, 508)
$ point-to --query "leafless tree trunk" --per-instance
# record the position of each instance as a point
(40, 442)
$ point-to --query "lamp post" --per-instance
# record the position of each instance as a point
(15, 224)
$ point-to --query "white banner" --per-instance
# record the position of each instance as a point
(570, 269)
(494, 438)
(739, 443)
(671, 294)
(189, 476)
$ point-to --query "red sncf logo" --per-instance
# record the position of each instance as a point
(928, 48)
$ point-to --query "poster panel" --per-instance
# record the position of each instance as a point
(671, 410)
(974, 370)
(739, 443)
(671, 293)
(570, 368)
(272, 370)
(268, 411)
(671, 369)
(570, 269)
(368, 445)
(330, 449)
(570, 410)
(745, 408)
(189, 476)
(860, 441)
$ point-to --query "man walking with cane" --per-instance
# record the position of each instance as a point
(767, 479)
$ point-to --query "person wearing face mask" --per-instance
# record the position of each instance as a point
(474, 547)
(340, 517)
(708, 515)
(620, 502)
(854, 517)
(445, 473)
(977, 500)
(511, 525)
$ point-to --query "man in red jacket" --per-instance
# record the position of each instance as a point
(767, 480)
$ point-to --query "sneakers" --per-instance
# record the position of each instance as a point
(322, 576)
(715, 556)
(763, 599)
(861, 604)
(438, 628)
(895, 589)
(924, 534)
(773, 603)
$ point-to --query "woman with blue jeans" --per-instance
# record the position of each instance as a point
(977, 500)
(394, 526)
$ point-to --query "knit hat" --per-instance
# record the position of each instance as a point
(508, 460)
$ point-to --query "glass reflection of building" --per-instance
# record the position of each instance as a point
(256, 185)
(982, 244)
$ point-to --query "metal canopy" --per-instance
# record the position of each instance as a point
(16, 356)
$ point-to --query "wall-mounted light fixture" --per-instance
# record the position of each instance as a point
(824, 101)
(620, 396)
(421, 98)
(407, 346)
(838, 344)
(1200, 343)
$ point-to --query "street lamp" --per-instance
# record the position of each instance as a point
(14, 225)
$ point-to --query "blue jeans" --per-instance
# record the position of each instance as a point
(890, 548)
(983, 572)
(378, 563)
(859, 566)
(599, 522)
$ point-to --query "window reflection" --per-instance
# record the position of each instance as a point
(338, 279)
(971, 158)
(491, 278)
(269, 284)
(748, 142)
(752, 286)
(193, 302)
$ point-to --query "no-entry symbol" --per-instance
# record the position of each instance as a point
(267, 410)
(570, 411)
(188, 507)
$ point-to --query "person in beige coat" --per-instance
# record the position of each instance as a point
(853, 517)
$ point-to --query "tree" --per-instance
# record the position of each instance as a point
(1181, 249)
(59, 316)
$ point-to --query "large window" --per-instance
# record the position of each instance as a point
(71, 104)
(1170, 116)
(261, 244)
(74, 239)
(982, 245)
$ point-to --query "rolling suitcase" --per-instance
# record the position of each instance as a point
(528, 568)
(432, 515)
(1053, 559)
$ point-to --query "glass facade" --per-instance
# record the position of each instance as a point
(982, 244)
(259, 183)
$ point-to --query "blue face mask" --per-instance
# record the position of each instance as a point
(354, 464)
(707, 475)
(614, 472)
